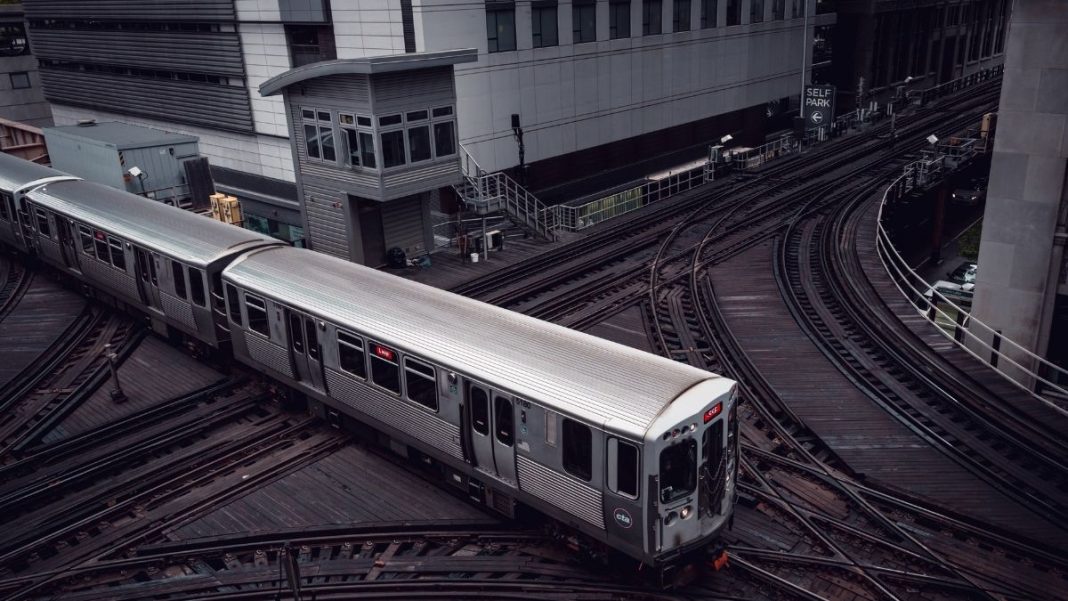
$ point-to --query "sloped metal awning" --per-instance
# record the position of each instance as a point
(367, 66)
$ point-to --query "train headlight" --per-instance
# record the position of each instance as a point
(685, 513)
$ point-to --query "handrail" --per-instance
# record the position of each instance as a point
(905, 279)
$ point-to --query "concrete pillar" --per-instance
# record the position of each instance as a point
(1017, 280)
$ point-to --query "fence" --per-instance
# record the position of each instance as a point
(1025, 369)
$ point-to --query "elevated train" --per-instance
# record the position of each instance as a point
(634, 451)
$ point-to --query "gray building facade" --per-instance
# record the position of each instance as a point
(21, 94)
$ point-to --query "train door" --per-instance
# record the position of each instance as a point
(305, 348)
(147, 277)
(67, 243)
(492, 432)
(26, 225)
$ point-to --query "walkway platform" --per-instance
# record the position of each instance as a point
(449, 270)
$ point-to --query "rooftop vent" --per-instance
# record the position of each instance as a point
(86, 122)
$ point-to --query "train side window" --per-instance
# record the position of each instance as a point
(350, 354)
(313, 338)
(217, 284)
(623, 468)
(578, 449)
(101, 241)
(480, 411)
(3, 208)
(179, 280)
(503, 412)
(86, 236)
(384, 369)
(42, 224)
(233, 305)
(296, 336)
(118, 257)
(257, 315)
(420, 383)
(196, 286)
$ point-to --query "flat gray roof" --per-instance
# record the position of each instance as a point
(369, 65)
(122, 136)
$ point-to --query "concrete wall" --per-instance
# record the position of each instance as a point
(266, 55)
(570, 97)
(1018, 263)
(25, 105)
(373, 28)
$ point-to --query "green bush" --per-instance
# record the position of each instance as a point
(968, 243)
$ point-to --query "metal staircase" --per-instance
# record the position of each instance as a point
(486, 193)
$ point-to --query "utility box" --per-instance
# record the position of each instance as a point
(141, 160)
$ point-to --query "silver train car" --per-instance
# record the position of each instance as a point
(634, 450)
(160, 260)
(637, 452)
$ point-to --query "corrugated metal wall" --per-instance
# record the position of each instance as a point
(411, 89)
(196, 52)
(327, 226)
(220, 107)
(402, 224)
(190, 10)
(177, 50)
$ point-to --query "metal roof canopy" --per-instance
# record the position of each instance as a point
(369, 65)
(176, 233)
(615, 387)
(121, 136)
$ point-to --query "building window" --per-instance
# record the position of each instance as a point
(359, 140)
(318, 135)
(543, 24)
(584, 21)
(709, 13)
(13, 40)
(500, 26)
(681, 16)
(20, 81)
(756, 11)
(652, 17)
(419, 143)
(310, 44)
(445, 138)
(393, 154)
(778, 10)
(734, 12)
(619, 19)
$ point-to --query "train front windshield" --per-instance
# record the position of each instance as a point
(678, 471)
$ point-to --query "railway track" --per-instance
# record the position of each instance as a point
(820, 276)
(14, 280)
(66, 375)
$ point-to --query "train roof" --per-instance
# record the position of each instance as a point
(604, 383)
(16, 173)
(186, 236)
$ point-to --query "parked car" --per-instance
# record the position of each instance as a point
(971, 194)
(959, 294)
(963, 274)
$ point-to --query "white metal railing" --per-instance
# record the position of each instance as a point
(971, 335)
(924, 96)
(752, 158)
(489, 192)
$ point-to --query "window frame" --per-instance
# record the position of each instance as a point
(494, 11)
(373, 356)
(412, 367)
(44, 226)
(196, 275)
(178, 275)
(119, 245)
(578, 8)
(544, 12)
(612, 477)
(682, 20)
(316, 122)
(361, 126)
(652, 14)
(617, 8)
(567, 429)
(233, 304)
(361, 349)
(249, 298)
(26, 74)
(84, 232)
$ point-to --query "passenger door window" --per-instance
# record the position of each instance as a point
(178, 275)
(623, 468)
(505, 416)
(312, 338)
(578, 449)
(196, 286)
(233, 305)
(479, 411)
(296, 335)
